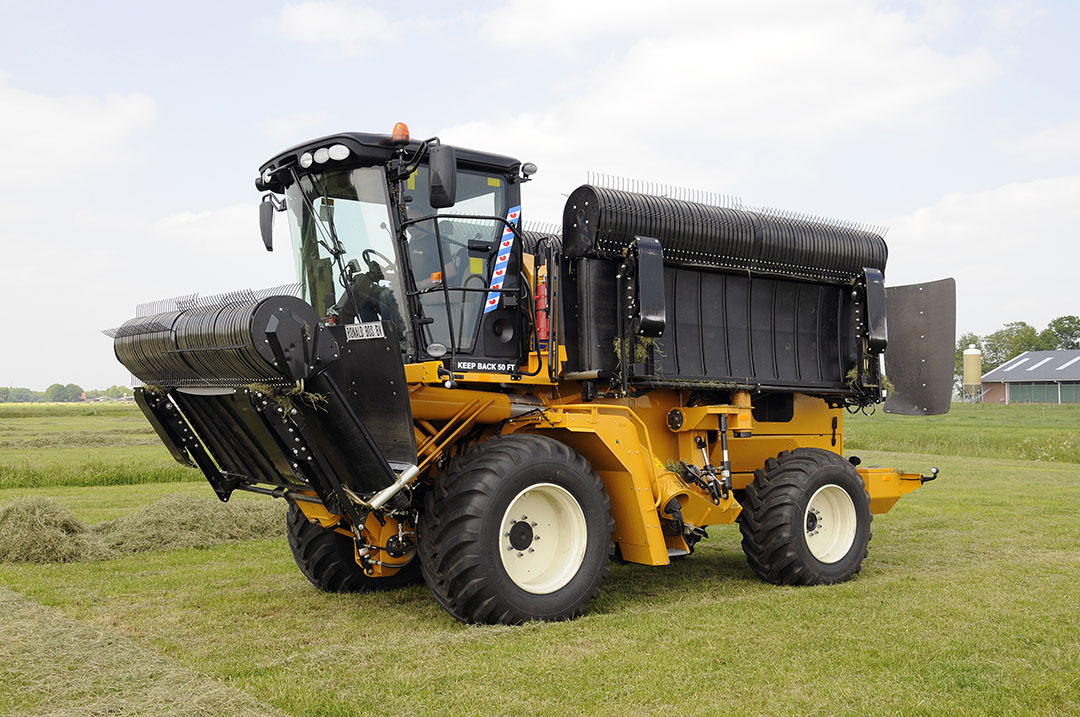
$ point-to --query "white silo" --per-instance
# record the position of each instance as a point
(972, 374)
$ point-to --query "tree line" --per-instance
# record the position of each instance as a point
(59, 393)
(1017, 337)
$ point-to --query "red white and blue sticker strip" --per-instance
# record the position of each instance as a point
(502, 259)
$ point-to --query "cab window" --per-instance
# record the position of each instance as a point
(463, 270)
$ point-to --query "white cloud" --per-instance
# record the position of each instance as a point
(69, 292)
(349, 27)
(572, 26)
(1060, 141)
(704, 91)
(1013, 250)
(41, 135)
(1009, 15)
(220, 250)
(749, 71)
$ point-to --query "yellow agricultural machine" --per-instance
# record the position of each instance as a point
(448, 397)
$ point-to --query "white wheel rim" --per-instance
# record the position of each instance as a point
(542, 538)
(829, 523)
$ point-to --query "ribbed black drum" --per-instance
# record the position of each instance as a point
(531, 240)
(222, 344)
(602, 223)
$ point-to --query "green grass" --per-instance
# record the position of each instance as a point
(966, 605)
(39, 410)
(1045, 433)
(98, 504)
(69, 445)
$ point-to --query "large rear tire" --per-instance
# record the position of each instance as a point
(806, 519)
(518, 529)
(328, 560)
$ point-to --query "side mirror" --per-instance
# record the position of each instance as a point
(649, 277)
(442, 176)
(266, 221)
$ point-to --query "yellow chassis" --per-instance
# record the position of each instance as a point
(628, 442)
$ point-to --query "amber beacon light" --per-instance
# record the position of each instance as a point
(400, 133)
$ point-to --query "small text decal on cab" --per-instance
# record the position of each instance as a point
(482, 365)
(356, 332)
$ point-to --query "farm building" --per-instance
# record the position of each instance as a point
(1035, 377)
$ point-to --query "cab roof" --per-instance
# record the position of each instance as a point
(366, 150)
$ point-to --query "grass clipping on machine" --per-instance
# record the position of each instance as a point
(39, 530)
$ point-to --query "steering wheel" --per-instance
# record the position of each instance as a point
(388, 265)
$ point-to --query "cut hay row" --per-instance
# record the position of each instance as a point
(41, 530)
(65, 667)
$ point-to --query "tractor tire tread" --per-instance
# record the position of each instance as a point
(326, 559)
(769, 522)
(449, 544)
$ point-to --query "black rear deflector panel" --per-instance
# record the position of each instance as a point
(921, 357)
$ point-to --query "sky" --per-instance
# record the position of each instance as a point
(131, 134)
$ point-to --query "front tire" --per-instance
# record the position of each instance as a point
(518, 529)
(328, 560)
(806, 519)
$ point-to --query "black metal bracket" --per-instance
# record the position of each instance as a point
(311, 461)
(876, 330)
(176, 433)
(299, 348)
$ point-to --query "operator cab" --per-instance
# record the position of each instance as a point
(375, 237)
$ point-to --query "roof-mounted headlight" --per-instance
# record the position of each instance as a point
(306, 159)
(339, 152)
(322, 155)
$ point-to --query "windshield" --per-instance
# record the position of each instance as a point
(467, 246)
(351, 205)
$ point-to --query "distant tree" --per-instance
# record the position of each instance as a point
(1047, 341)
(1063, 333)
(24, 395)
(117, 391)
(65, 394)
(1011, 340)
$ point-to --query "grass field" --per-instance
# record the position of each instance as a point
(80, 445)
(967, 604)
(1046, 433)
